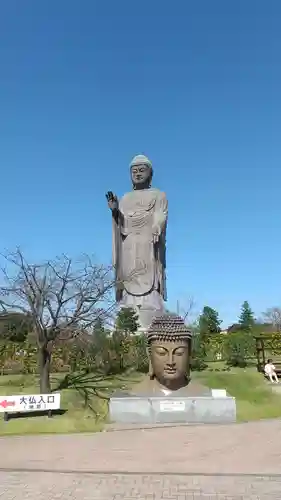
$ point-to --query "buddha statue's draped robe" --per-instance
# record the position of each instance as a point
(139, 261)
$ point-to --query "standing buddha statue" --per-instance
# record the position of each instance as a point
(139, 222)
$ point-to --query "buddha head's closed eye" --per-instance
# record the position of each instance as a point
(169, 345)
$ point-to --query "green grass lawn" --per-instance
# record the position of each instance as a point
(254, 396)
(77, 418)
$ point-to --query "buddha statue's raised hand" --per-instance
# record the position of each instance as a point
(112, 200)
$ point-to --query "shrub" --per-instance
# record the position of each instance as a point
(239, 347)
(109, 354)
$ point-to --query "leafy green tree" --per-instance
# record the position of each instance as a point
(208, 325)
(198, 354)
(127, 321)
(209, 322)
(125, 328)
(239, 348)
(15, 326)
(140, 353)
(99, 333)
(246, 318)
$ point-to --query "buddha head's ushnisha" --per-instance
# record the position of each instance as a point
(141, 172)
(169, 347)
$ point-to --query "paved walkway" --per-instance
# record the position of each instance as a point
(240, 461)
(52, 486)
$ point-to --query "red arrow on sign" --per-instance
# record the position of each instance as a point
(6, 403)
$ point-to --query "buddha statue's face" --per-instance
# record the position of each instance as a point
(170, 362)
(141, 175)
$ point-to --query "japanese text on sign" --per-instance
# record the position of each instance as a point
(34, 402)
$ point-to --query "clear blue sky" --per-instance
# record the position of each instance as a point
(85, 85)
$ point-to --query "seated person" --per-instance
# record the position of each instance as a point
(269, 370)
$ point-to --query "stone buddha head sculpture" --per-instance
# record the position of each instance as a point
(169, 348)
(141, 172)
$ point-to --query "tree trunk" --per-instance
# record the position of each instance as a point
(44, 369)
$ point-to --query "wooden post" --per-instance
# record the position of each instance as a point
(263, 353)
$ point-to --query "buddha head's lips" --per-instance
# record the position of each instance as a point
(168, 327)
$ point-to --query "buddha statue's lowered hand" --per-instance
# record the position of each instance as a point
(156, 233)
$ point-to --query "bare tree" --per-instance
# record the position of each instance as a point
(64, 298)
(186, 310)
(273, 316)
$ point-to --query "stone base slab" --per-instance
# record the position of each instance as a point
(164, 410)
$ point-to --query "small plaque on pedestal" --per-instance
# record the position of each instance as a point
(172, 405)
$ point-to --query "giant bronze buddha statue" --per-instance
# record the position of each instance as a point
(139, 221)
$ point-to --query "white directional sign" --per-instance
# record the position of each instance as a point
(33, 402)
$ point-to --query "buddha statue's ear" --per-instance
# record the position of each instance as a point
(150, 178)
(150, 368)
(151, 371)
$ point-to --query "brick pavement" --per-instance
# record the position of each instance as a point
(52, 486)
(252, 448)
(173, 463)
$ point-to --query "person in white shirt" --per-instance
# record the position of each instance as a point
(269, 370)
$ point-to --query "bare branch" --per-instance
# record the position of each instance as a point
(273, 316)
(187, 309)
(61, 296)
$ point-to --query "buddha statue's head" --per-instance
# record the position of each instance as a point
(169, 347)
(141, 172)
